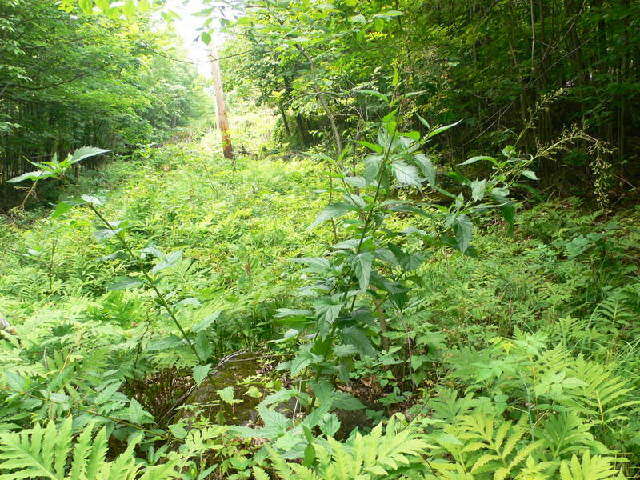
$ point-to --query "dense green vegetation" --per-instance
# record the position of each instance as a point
(422, 265)
(526, 73)
(71, 80)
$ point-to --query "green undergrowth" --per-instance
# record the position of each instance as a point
(517, 360)
(236, 230)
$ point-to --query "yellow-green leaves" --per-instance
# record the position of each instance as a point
(111, 8)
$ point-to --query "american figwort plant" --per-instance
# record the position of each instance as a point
(149, 278)
(364, 275)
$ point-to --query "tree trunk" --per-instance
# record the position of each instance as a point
(223, 122)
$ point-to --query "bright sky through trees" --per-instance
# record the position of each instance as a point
(188, 26)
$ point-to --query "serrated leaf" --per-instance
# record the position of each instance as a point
(15, 381)
(206, 322)
(35, 175)
(359, 339)
(364, 262)
(227, 395)
(253, 392)
(86, 152)
(61, 209)
(464, 232)
(123, 283)
(168, 261)
(478, 189)
(509, 214)
(332, 211)
(427, 168)
(93, 200)
(178, 430)
(200, 372)
(406, 174)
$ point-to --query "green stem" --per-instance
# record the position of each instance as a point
(149, 282)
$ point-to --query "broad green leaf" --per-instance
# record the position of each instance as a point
(200, 372)
(332, 211)
(123, 283)
(359, 182)
(530, 174)
(301, 361)
(165, 343)
(478, 189)
(33, 176)
(363, 269)
(359, 339)
(314, 264)
(329, 425)
(478, 159)
(227, 395)
(406, 174)
(203, 345)
(500, 194)
(86, 152)
(15, 381)
(359, 18)
(427, 168)
(253, 392)
(439, 130)
(169, 261)
(464, 231)
(178, 430)
(329, 309)
(373, 146)
(61, 209)
(345, 401)
(93, 200)
(509, 213)
(137, 414)
(206, 322)
(509, 151)
(289, 312)
(372, 164)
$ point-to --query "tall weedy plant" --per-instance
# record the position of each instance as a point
(365, 275)
(148, 278)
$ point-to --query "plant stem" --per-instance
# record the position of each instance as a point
(149, 282)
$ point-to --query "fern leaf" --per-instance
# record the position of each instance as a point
(512, 441)
(588, 468)
(81, 454)
(97, 454)
(483, 460)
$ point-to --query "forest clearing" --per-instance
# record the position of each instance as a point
(319, 240)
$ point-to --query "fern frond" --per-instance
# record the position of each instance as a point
(566, 433)
(370, 456)
(588, 468)
(605, 396)
(51, 453)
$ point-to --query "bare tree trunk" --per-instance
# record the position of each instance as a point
(223, 122)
